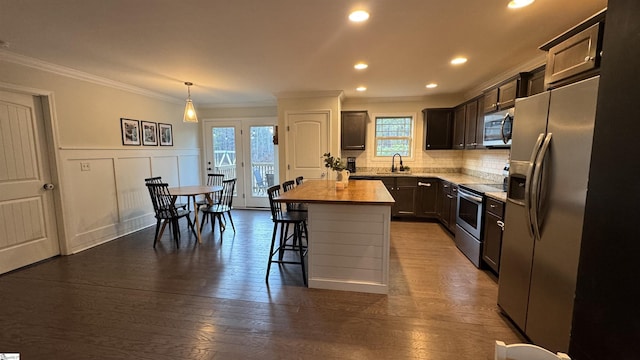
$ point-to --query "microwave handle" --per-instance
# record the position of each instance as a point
(505, 138)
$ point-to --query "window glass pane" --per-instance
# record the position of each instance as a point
(393, 135)
(262, 159)
(224, 151)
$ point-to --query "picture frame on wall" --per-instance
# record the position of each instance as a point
(149, 133)
(165, 133)
(130, 131)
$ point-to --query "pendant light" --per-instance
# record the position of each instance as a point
(189, 111)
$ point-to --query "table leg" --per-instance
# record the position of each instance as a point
(197, 224)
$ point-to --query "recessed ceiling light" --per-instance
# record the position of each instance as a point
(431, 86)
(360, 66)
(361, 88)
(515, 4)
(459, 60)
(359, 16)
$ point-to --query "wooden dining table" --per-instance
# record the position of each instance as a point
(191, 192)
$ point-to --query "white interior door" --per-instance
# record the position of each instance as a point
(243, 149)
(28, 230)
(307, 141)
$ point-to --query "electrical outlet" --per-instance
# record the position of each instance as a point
(85, 166)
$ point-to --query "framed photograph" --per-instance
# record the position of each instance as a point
(130, 131)
(149, 133)
(165, 134)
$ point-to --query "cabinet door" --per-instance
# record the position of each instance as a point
(470, 115)
(458, 127)
(491, 100)
(573, 56)
(536, 82)
(354, 130)
(492, 240)
(507, 94)
(440, 196)
(439, 128)
(405, 196)
(480, 124)
(453, 208)
(427, 196)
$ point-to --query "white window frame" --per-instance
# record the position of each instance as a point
(412, 138)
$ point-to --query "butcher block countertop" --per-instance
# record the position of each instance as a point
(362, 192)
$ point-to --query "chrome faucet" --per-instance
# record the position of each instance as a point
(393, 167)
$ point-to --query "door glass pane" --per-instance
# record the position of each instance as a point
(262, 159)
(224, 151)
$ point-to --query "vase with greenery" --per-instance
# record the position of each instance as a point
(335, 164)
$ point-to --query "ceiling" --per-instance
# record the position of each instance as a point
(247, 52)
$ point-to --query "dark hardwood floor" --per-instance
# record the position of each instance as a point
(125, 300)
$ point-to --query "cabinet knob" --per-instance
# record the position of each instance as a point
(492, 206)
(589, 58)
(428, 145)
(461, 144)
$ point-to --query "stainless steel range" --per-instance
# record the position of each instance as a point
(469, 218)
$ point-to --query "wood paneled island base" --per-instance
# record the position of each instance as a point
(349, 234)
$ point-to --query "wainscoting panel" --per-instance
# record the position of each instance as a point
(104, 192)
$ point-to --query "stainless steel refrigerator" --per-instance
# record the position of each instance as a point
(547, 188)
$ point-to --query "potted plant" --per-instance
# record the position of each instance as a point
(336, 164)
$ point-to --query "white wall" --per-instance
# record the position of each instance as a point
(110, 199)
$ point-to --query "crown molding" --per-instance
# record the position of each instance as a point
(249, 104)
(23, 60)
(309, 94)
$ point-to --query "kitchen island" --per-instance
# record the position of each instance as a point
(349, 234)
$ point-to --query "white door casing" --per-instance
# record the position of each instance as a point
(307, 141)
(28, 230)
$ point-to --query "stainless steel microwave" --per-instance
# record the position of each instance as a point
(497, 129)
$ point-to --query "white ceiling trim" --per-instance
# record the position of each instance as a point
(79, 75)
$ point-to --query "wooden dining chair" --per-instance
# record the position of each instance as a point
(212, 180)
(158, 180)
(281, 221)
(526, 352)
(167, 213)
(222, 208)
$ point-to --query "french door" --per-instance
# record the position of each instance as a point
(243, 149)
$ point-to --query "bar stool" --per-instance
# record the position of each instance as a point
(282, 220)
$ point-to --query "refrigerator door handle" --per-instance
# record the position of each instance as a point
(528, 179)
(537, 178)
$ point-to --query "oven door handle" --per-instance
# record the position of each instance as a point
(468, 196)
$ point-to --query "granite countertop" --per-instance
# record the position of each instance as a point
(456, 178)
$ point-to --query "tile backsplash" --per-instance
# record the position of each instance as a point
(486, 164)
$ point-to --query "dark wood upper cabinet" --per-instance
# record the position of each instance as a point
(504, 95)
(354, 129)
(438, 128)
(459, 127)
(491, 100)
(480, 124)
(576, 54)
(536, 81)
(470, 116)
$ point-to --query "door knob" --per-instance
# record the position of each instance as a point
(48, 186)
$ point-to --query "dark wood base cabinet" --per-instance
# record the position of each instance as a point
(447, 204)
(493, 228)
